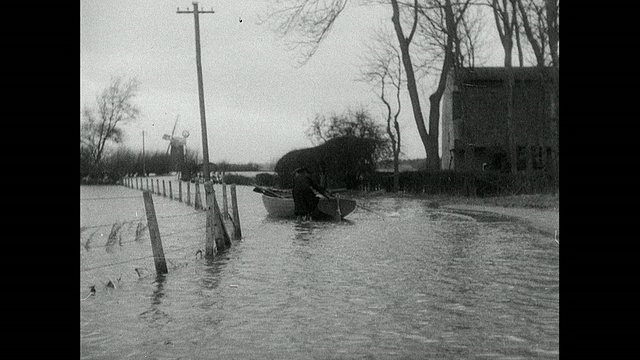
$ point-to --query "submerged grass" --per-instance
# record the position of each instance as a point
(541, 201)
(537, 201)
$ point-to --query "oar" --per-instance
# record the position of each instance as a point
(265, 191)
(375, 212)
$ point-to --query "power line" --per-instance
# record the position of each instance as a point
(135, 240)
(142, 219)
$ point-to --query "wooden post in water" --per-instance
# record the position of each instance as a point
(223, 241)
(210, 242)
(225, 206)
(154, 233)
(237, 232)
(180, 190)
(164, 191)
(189, 194)
(170, 191)
(197, 201)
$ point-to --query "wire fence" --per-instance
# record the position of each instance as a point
(135, 230)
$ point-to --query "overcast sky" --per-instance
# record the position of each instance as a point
(258, 101)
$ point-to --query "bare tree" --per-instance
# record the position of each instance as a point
(358, 123)
(430, 138)
(470, 26)
(445, 32)
(114, 108)
(317, 129)
(383, 66)
(308, 21)
(504, 13)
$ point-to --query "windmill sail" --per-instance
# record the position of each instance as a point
(172, 132)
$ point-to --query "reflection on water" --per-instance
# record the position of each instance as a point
(155, 316)
(400, 281)
(303, 230)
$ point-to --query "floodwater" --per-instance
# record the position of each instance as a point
(397, 280)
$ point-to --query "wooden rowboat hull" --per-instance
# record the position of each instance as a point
(328, 208)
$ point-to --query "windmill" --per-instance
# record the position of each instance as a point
(177, 147)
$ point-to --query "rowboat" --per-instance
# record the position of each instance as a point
(280, 204)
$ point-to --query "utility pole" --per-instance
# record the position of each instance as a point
(203, 121)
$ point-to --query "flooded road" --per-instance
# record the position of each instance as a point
(397, 281)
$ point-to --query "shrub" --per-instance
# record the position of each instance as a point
(266, 179)
(344, 160)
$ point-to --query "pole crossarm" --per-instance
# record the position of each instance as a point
(195, 9)
(191, 12)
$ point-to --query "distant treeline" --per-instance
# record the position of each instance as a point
(125, 162)
(120, 163)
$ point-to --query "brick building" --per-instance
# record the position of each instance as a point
(474, 126)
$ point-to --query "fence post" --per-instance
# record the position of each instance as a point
(170, 191)
(164, 189)
(225, 206)
(180, 190)
(158, 186)
(223, 241)
(210, 243)
(189, 194)
(237, 231)
(152, 189)
(198, 199)
(137, 184)
(154, 233)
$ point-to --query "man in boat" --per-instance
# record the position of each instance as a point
(304, 198)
